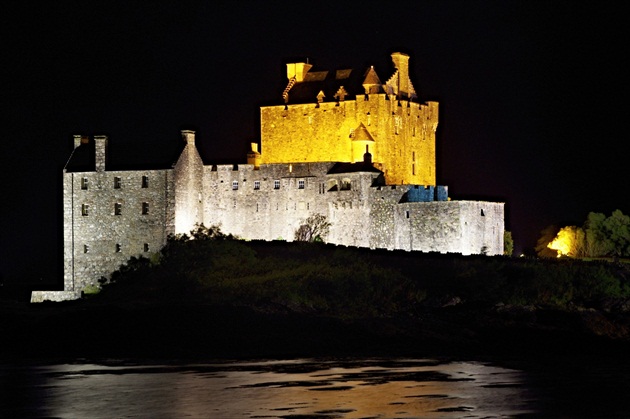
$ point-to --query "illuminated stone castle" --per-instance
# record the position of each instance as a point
(340, 143)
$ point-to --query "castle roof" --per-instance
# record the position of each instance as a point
(352, 168)
(308, 84)
(334, 84)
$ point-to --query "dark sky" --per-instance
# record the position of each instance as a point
(532, 96)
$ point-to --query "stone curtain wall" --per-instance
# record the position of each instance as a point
(111, 216)
(253, 208)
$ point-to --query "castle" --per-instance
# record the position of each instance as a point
(341, 144)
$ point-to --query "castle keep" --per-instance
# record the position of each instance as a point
(340, 143)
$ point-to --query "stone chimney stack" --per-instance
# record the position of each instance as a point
(100, 156)
(189, 137)
(298, 70)
(403, 86)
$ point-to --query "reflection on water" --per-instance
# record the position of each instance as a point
(303, 388)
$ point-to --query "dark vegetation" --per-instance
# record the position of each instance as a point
(210, 267)
(210, 295)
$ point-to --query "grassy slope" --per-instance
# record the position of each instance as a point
(227, 298)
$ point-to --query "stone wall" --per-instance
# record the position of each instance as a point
(403, 134)
(57, 296)
(110, 216)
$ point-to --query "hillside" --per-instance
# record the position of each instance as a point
(216, 297)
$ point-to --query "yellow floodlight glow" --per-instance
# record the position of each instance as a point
(564, 242)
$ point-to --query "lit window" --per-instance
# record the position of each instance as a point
(256, 184)
(117, 208)
(234, 185)
(300, 184)
(146, 247)
(117, 182)
(145, 208)
(85, 210)
(84, 183)
(276, 184)
(145, 181)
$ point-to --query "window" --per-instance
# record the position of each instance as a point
(407, 214)
(145, 181)
(234, 185)
(118, 248)
(146, 247)
(276, 184)
(145, 208)
(300, 184)
(117, 208)
(256, 184)
(85, 210)
(84, 183)
(86, 248)
(117, 182)
(345, 185)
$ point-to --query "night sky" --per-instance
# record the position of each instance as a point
(532, 96)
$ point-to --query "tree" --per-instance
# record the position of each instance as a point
(546, 236)
(508, 243)
(570, 241)
(314, 228)
(618, 228)
(596, 236)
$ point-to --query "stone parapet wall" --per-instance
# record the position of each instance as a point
(56, 296)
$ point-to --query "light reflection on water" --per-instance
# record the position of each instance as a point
(305, 388)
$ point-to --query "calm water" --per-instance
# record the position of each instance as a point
(304, 388)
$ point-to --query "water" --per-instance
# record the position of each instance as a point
(400, 388)
(300, 389)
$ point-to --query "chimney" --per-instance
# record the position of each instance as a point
(189, 137)
(253, 157)
(100, 155)
(404, 88)
(297, 70)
